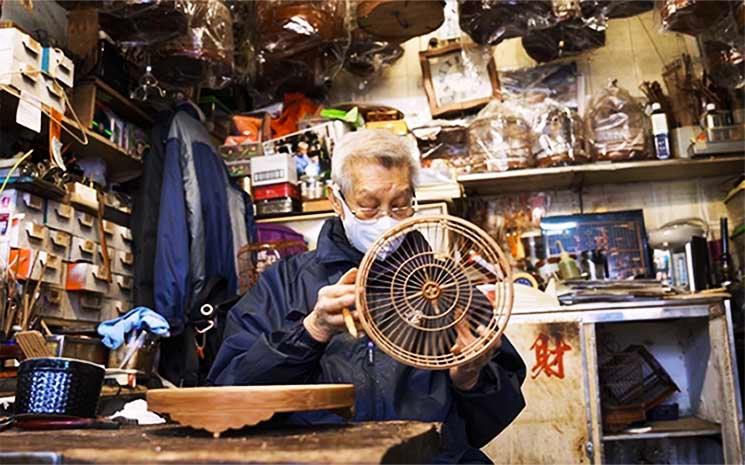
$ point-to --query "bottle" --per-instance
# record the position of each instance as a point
(725, 264)
(568, 269)
(661, 132)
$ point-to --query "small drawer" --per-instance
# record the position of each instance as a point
(99, 256)
(121, 288)
(59, 244)
(123, 263)
(55, 303)
(122, 239)
(86, 306)
(26, 235)
(60, 216)
(114, 309)
(86, 277)
(16, 203)
(23, 48)
(86, 226)
(22, 261)
(83, 250)
(58, 66)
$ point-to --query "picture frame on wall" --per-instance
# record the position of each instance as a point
(458, 78)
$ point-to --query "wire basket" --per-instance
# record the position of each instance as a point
(255, 258)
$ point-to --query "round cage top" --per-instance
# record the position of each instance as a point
(429, 280)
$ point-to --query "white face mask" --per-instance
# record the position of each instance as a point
(363, 233)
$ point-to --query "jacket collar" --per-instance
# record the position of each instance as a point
(333, 245)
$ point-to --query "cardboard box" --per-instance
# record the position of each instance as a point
(86, 277)
(86, 226)
(123, 263)
(52, 94)
(59, 244)
(24, 234)
(273, 169)
(83, 250)
(121, 288)
(60, 216)
(20, 48)
(21, 261)
(58, 66)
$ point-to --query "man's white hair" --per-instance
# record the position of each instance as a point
(376, 145)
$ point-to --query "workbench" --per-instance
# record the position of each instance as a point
(369, 442)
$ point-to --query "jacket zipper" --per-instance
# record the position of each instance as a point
(371, 378)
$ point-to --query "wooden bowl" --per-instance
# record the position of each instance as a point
(218, 409)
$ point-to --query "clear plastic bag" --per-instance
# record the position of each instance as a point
(204, 54)
(617, 126)
(489, 22)
(615, 8)
(691, 16)
(367, 56)
(143, 22)
(723, 50)
(559, 136)
(500, 139)
(559, 82)
(566, 39)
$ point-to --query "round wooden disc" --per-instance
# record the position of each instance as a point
(400, 20)
(217, 409)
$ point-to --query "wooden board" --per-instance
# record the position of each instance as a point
(369, 442)
(217, 409)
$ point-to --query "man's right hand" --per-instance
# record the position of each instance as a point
(327, 319)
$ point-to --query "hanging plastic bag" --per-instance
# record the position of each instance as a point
(691, 16)
(204, 54)
(617, 126)
(489, 22)
(566, 39)
(144, 22)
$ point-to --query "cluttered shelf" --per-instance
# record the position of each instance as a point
(566, 177)
(120, 165)
(682, 427)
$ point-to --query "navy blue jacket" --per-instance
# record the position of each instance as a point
(265, 342)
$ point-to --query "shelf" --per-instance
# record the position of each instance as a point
(682, 427)
(568, 177)
(120, 165)
(123, 105)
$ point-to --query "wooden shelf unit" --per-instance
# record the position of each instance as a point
(682, 427)
(572, 177)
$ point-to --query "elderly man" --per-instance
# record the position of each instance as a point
(289, 328)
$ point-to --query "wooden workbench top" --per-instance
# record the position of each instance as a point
(371, 442)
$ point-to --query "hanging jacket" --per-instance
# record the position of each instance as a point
(265, 342)
(202, 223)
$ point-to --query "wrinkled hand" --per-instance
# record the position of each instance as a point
(327, 319)
(466, 376)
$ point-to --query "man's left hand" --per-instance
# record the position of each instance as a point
(466, 376)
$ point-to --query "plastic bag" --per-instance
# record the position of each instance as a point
(559, 82)
(204, 54)
(144, 22)
(443, 145)
(691, 16)
(500, 139)
(617, 126)
(565, 39)
(559, 136)
(367, 56)
(489, 22)
(289, 27)
(722, 50)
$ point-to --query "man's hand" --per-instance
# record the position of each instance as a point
(466, 376)
(327, 319)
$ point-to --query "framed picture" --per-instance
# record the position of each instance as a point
(458, 78)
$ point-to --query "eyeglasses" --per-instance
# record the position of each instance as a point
(367, 214)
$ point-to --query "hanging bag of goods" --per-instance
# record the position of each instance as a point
(617, 126)
(144, 22)
(499, 139)
(615, 8)
(559, 136)
(565, 39)
(691, 16)
(204, 54)
(489, 22)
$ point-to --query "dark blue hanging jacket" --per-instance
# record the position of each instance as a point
(265, 342)
(202, 223)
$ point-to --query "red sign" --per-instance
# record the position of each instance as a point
(547, 360)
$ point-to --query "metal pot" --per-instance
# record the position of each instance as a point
(86, 348)
(58, 386)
